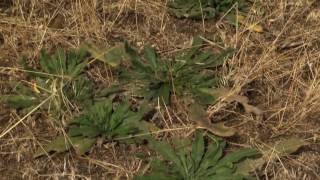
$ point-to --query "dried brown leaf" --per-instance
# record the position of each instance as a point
(281, 148)
(198, 115)
(243, 100)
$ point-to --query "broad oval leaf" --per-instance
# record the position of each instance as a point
(150, 55)
(62, 144)
(198, 149)
(288, 146)
(282, 148)
(238, 156)
(19, 101)
(111, 56)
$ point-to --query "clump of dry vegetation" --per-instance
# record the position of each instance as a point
(275, 71)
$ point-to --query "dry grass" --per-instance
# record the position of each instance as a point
(279, 70)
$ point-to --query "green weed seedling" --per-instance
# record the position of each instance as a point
(60, 78)
(204, 9)
(190, 74)
(199, 162)
(148, 76)
(106, 119)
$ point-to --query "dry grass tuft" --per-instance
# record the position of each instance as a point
(279, 70)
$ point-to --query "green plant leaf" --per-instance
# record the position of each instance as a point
(237, 156)
(205, 9)
(201, 162)
(159, 171)
(218, 59)
(57, 62)
(61, 61)
(281, 148)
(225, 170)
(167, 152)
(45, 62)
(150, 55)
(249, 165)
(212, 156)
(122, 112)
(155, 176)
(197, 10)
(109, 120)
(111, 56)
(76, 62)
(227, 177)
(82, 145)
(135, 58)
(163, 93)
(198, 149)
(106, 92)
(196, 45)
(60, 74)
(64, 64)
(80, 90)
(185, 76)
(208, 9)
(114, 56)
(288, 146)
(62, 144)
(204, 97)
(19, 101)
(182, 144)
(86, 131)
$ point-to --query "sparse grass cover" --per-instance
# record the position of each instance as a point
(91, 106)
(190, 75)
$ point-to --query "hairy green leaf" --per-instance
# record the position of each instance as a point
(19, 101)
(198, 149)
(281, 148)
(167, 152)
(111, 56)
(237, 156)
(288, 146)
(62, 144)
(150, 55)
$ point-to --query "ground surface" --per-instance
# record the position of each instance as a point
(279, 70)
